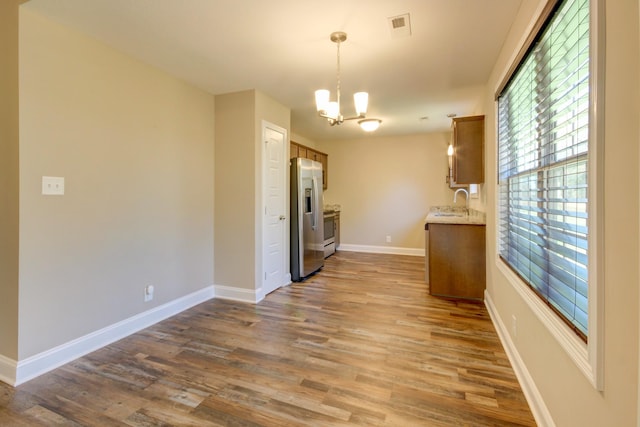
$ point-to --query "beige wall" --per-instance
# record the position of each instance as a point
(302, 140)
(570, 398)
(386, 185)
(136, 148)
(238, 166)
(235, 185)
(9, 182)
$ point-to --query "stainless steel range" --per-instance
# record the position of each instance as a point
(329, 233)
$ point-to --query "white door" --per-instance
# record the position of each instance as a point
(275, 208)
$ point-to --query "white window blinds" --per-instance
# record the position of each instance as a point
(543, 123)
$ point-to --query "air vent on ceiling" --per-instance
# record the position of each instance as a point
(400, 26)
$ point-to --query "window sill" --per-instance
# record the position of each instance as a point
(575, 348)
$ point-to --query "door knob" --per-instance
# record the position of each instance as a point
(282, 217)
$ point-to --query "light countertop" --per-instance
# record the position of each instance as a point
(454, 215)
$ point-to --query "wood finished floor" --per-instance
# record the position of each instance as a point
(359, 344)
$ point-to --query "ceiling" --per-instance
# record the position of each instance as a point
(282, 48)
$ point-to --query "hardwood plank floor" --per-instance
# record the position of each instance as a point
(361, 343)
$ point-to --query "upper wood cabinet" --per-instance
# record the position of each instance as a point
(468, 150)
(324, 159)
(303, 152)
(299, 150)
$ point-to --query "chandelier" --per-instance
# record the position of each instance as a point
(330, 110)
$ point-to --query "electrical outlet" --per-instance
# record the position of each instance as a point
(148, 293)
(514, 325)
(388, 239)
(53, 185)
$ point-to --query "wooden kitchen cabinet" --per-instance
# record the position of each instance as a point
(456, 254)
(303, 152)
(293, 150)
(323, 158)
(468, 151)
(299, 150)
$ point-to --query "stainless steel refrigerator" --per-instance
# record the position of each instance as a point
(307, 223)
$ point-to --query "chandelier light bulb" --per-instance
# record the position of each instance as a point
(361, 100)
(333, 110)
(322, 99)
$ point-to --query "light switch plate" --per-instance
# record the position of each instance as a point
(474, 191)
(53, 185)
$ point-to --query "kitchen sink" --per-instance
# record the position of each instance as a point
(449, 214)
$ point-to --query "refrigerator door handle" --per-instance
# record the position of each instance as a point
(314, 217)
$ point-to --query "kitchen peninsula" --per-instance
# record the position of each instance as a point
(455, 253)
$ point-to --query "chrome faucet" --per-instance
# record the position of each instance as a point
(455, 195)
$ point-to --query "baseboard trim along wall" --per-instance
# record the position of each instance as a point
(239, 294)
(8, 369)
(536, 403)
(17, 373)
(392, 250)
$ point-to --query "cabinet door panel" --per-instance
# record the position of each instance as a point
(322, 158)
(457, 261)
(468, 144)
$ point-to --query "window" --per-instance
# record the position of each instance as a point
(543, 165)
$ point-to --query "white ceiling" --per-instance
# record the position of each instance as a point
(282, 48)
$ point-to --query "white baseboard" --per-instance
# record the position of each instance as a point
(8, 369)
(46, 361)
(532, 394)
(393, 250)
(238, 294)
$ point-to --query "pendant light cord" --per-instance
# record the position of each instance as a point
(338, 78)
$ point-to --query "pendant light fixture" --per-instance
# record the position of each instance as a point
(369, 125)
(330, 110)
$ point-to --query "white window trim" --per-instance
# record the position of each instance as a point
(588, 357)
